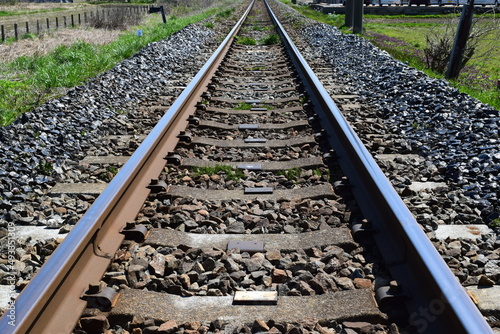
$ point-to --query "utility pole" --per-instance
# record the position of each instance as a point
(348, 13)
(357, 16)
(463, 31)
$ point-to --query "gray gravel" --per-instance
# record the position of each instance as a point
(45, 146)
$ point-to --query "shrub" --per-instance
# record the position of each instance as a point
(116, 19)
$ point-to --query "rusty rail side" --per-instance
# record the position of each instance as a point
(436, 301)
(51, 302)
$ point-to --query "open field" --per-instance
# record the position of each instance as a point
(40, 68)
(404, 38)
(23, 11)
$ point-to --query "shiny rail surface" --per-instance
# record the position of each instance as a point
(437, 303)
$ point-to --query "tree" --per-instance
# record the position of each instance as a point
(481, 41)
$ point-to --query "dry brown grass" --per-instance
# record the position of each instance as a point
(48, 42)
(29, 6)
(32, 11)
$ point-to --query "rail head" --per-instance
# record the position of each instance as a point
(430, 282)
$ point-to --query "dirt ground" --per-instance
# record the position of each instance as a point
(48, 40)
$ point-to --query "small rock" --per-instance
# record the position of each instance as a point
(362, 283)
(96, 324)
(167, 327)
(260, 326)
(279, 276)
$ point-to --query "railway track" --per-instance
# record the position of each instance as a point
(238, 212)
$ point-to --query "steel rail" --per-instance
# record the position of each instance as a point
(51, 302)
(436, 301)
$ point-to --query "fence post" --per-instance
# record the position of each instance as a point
(48, 24)
(163, 17)
(85, 17)
(3, 33)
(15, 32)
(64, 19)
(27, 28)
(57, 23)
(79, 19)
(38, 27)
(72, 21)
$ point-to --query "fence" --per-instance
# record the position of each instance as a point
(17, 30)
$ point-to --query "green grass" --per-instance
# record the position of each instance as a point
(28, 81)
(270, 40)
(320, 173)
(408, 42)
(331, 19)
(231, 173)
(260, 28)
(402, 16)
(245, 40)
(225, 14)
(248, 106)
(243, 106)
(46, 167)
(291, 174)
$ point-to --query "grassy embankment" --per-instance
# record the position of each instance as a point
(404, 37)
(27, 81)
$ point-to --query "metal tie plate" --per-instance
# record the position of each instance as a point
(249, 166)
(255, 297)
(258, 109)
(248, 126)
(255, 140)
(259, 190)
(246, 246)
(253, 101)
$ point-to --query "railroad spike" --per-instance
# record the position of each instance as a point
(320, 136)
(173, 159)
(157, 186)
(362, 228)
(341, 185)
(135, 232)
(99, 296)
(330, 157)
(193, 120)
(313, 120)
(184, 137)
(387, 296)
